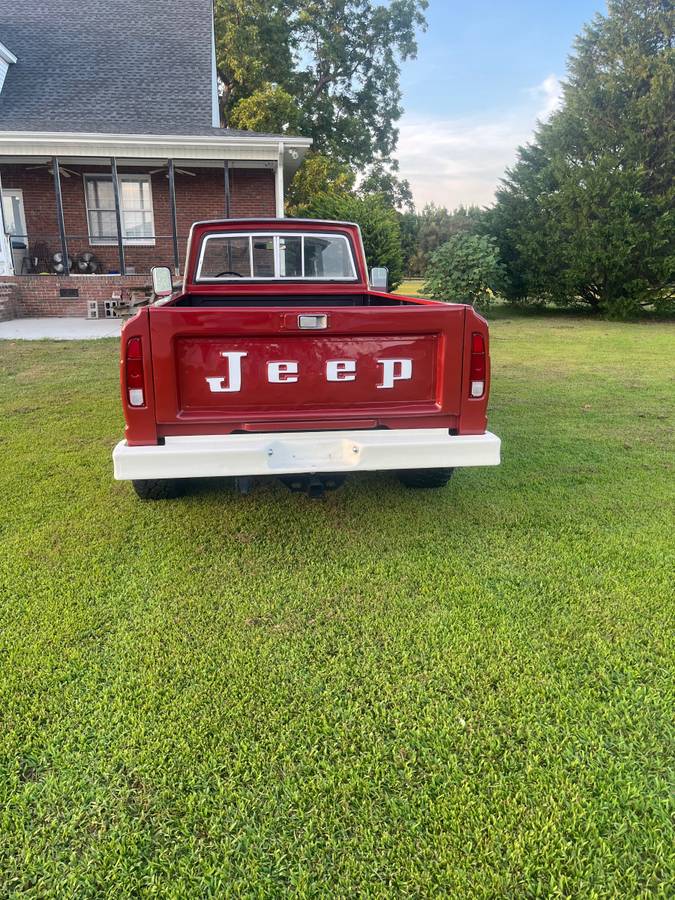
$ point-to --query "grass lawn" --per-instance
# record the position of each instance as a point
(411, 287)
(464, 693)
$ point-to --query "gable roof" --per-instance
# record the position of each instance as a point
(109, 66)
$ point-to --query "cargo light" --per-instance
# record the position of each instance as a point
(134, 372)
(477, 369)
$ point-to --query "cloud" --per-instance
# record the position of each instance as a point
(549, 93)
(460, 161)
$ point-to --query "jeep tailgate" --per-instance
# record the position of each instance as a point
(379, 367)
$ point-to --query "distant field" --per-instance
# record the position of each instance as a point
(411, 287)
(461, 693)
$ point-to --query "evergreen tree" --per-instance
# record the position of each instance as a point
(586, 214)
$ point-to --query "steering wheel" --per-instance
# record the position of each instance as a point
(227, 272)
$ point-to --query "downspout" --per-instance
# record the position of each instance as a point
(279, 182)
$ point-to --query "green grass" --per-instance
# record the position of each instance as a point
(462, 693)
(411, 287)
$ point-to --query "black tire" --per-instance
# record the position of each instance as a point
(157, 488)
(425, 478)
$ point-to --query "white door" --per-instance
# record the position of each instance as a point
(6, 267)
(15, 224)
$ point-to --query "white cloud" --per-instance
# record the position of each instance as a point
(460, 161)
(549, 93)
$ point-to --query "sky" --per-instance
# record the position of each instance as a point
(485, 72)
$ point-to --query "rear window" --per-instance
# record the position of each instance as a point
(311, 257)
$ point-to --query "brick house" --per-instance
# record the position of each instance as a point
(111, 146)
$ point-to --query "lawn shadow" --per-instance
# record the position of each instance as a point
(367, 503)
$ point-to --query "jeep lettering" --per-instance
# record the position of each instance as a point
(288, 372)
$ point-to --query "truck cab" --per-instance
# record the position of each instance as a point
(279, 356)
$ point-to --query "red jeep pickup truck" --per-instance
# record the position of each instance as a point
(280, 357)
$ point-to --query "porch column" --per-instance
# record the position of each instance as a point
(279, 183)
(174, 221)
(118, 215)
(226, 173)
(59, 214)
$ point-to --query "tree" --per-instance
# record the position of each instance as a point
(466, 269)
(437, 225)
(378, 222)
(255, 46)
(338, 59)
(269, 109)
(382, 179)
(318, 174)
(586, 214)
(409, 223)
(323, 174)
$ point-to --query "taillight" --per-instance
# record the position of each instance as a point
(134, 372)
(477, 370)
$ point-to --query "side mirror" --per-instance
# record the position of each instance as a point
(162, 281)
(379, 279)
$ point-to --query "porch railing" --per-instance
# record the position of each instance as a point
(42, 254)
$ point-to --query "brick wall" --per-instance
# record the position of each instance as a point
(202, 196)
(7, 301)
(39, 295)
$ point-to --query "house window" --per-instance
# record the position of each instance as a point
(138, 223)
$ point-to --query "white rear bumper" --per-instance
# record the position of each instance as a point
(304, 452)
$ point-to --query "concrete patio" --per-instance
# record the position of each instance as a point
(54, 329)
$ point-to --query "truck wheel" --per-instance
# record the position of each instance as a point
(157, 488)
(425, 478)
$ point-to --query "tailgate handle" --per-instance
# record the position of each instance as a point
(314, 322)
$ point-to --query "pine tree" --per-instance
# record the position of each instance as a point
(586, 214)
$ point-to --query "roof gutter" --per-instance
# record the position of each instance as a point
(253, 140)
(239, 149)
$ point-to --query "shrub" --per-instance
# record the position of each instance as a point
(466, 269)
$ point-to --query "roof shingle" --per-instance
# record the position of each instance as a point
(108, 66)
